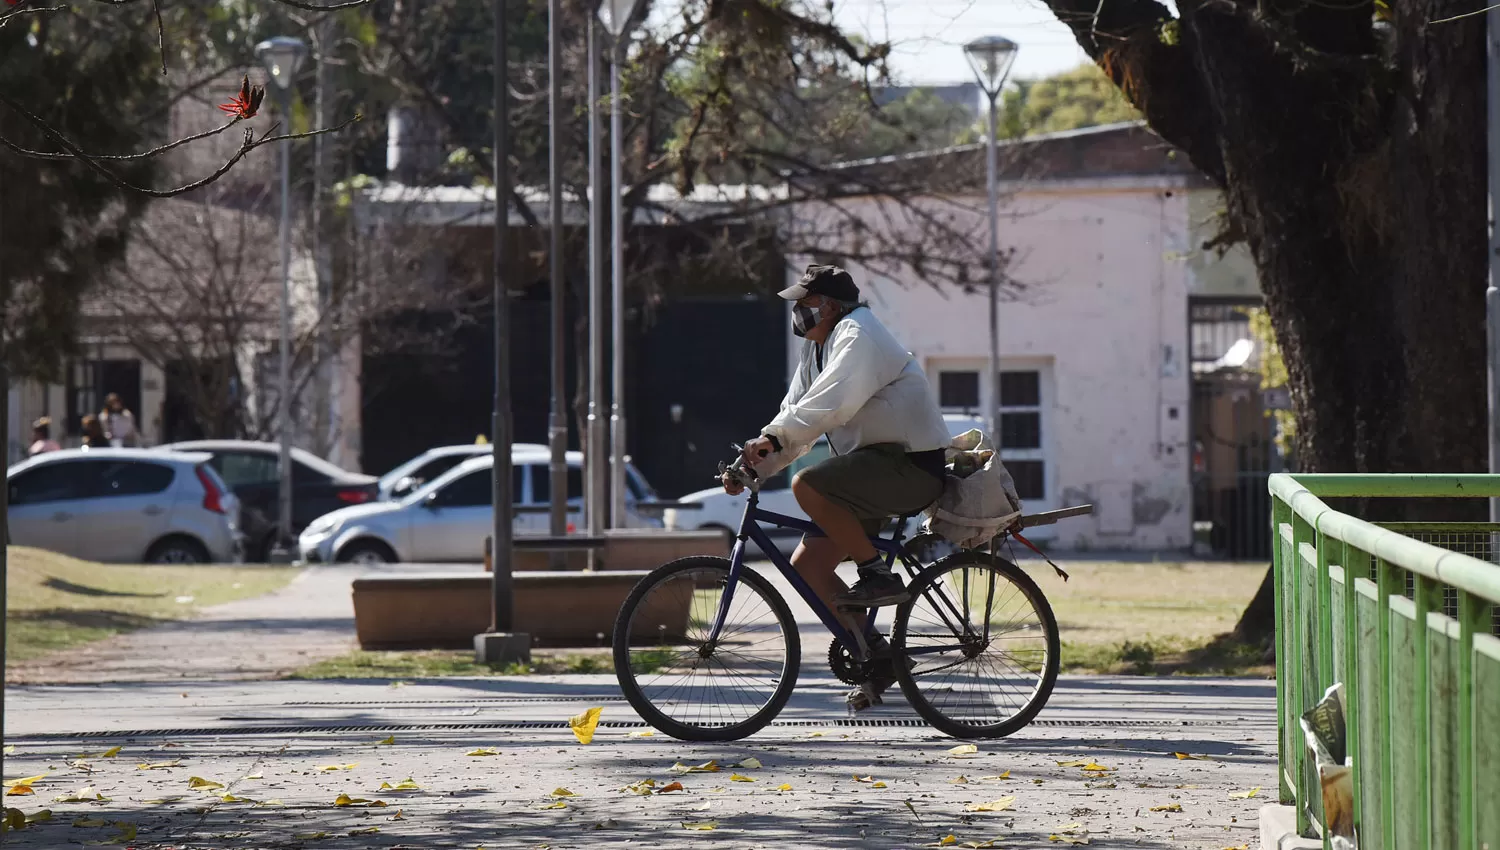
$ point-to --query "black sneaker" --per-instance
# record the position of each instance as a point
(874, 590)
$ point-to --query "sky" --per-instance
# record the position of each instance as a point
(927, 36)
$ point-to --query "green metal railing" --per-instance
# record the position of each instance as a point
(1404, 615)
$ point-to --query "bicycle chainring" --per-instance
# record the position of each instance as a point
(848, 671)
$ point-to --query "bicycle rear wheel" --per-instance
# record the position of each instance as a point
(977, 646)
(686, 687)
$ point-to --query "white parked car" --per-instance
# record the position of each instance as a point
(721, 511)
(428, 465)
(126, 506)
(448, 519)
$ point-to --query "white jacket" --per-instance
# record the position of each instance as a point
(870, 390)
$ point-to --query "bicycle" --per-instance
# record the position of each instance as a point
(691, 618)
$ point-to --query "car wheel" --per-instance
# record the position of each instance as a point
(368, 552)
(177, 550)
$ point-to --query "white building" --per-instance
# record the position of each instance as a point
(1105, 226)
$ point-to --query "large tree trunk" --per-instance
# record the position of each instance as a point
(1353, 163)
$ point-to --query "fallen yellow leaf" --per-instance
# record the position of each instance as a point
(90, 823)
(710, 766)
(1075, 763)
(785, 786)
(1170, 807)
(386, 742)
(369, 830)
(309, 836)
(158, 765)
(999, 805)
(1245, 795)
(700, 825)
(19, 791)
(963, 750)
(947, 840)
(230, 798)
(558, 805)
(1069, 827)
(815, 734)
(1005, 775)
(29, 780)
(264, 803)
(736, 777)
(10, 749)
(670, 787)
(333, 767)
(398, 815)
(751, 763)
(407, 784)
(877, 785)
(1188, 756)
(979, 845)
(961, 780)
(1070, 839)
(82, 795)
(1096, 767)
(344, 800)
(857, 778)
(201, 783)
(483, 751)
(562, 792)
(584, 724)
(256, 776)
(643, 788)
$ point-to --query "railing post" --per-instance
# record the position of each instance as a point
(1422, 597)
(1355, 564)
(1281, 515)
(1473, 616)
(1384, 583)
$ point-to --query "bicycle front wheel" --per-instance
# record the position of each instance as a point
(689, 687)
(977, 646)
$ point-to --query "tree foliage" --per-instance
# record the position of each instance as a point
(59, 224)
(1082, 97)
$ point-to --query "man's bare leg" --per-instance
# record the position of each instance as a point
(816, 560)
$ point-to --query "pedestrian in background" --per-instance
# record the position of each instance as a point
(118, 423)
(41, 437)
(93, 433)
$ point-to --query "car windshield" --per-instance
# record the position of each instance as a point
(388, 480)
(436, 484)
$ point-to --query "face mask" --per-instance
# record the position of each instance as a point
(804, 319)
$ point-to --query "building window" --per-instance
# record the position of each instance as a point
(1021, 432)
(959, 390)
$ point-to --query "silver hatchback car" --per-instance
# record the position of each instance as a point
(125, 506)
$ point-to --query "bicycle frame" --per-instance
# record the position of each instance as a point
(750, 531)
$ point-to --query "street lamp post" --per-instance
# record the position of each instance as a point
(616, 16)
(991, 58)
(557, 419)
(597, 449)
(282, 56)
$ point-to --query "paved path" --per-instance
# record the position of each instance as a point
(260, 638)
(267, 740)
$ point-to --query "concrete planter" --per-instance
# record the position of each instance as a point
(445, 611)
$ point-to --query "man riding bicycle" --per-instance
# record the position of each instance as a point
(859, 386)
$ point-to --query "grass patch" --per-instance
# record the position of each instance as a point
(1154, 618)
(55, 602)
(1221, 655)
(437, 663)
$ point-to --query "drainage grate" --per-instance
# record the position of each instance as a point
(855, 722)
(468, 701)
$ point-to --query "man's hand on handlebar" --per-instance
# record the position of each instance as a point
(732, 485)
(756, 451)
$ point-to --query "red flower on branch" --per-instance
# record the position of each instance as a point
(246, 103)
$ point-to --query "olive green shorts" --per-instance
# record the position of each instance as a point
(874, 483)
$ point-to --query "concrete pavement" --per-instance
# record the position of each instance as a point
(266, 741)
